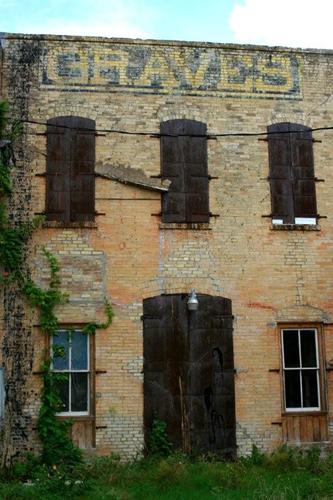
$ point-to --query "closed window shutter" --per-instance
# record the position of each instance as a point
(303, 171)
(184, 163)
(82, 181)
(173, 203)
(57, 169)
(280, 178)
(291, 172)
(196, 171)
(70, 187)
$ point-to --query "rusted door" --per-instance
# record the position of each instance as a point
(189, 371)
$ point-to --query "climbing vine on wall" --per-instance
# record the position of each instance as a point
(12, 239)
(54, 433)
(46, 300)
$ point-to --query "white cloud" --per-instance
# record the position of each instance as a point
(293, 23)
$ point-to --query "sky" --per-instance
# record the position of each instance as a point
(291, 23)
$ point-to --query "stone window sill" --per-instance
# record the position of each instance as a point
(295, 227)
(76, 418)
(70, 225)
(196, 226)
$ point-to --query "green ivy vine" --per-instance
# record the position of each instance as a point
(46, 300)
(12, 239)
(54, 433)
(58, 448)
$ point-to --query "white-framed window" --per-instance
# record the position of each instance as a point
(301, 375)
(70, 353)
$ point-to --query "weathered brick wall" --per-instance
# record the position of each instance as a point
(16, 320)
(270, 275)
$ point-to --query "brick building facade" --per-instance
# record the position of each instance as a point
(244, 222)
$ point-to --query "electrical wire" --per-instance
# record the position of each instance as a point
(157, 134)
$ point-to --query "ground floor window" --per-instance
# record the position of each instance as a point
(70, 350)
(301, 370)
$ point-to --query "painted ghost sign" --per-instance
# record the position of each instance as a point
(174, 69)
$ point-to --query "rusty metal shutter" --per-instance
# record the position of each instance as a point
(165, 346)
(82, 182)
(184, 162)
(211, 376)
(58, 169)
(70, 185)
(303, 171)
(189, 371)
(280, 176)
(291, 172)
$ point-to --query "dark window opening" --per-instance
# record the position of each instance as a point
(291, 174)
(70, 185)
(71, 364)
(184, 163)
(301, 369)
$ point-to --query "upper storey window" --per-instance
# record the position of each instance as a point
(291, 174)
(70, 186)
(184, 163)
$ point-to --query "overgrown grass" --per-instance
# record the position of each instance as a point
(286, 474)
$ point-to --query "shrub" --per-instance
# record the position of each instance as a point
(158, 441)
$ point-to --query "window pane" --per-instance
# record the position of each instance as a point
(79, 351)
(79, 387)
(290, 349)
(310, 389)
(60, 350)
(293, 389)
(308, 348)
(62, 385)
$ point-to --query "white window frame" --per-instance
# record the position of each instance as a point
(301, 409)
(69, 372)
(308, 221)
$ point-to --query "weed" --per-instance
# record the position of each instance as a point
(176, 477)
(158, 441)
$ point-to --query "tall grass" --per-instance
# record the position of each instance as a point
(286, 474)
